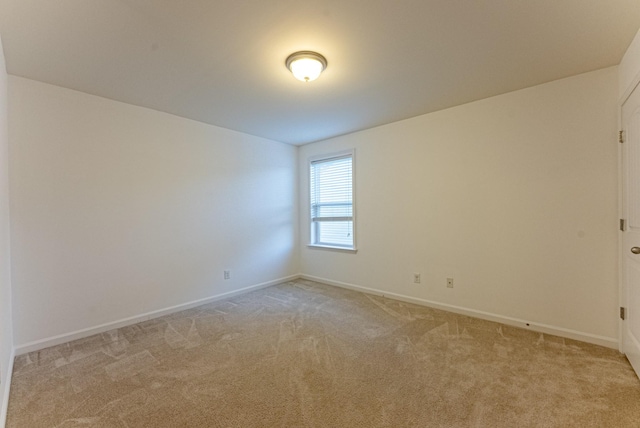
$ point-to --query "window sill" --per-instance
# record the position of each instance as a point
(330, 248)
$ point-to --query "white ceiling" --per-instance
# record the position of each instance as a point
(222, 61)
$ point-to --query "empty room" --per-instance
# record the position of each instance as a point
(367, 213)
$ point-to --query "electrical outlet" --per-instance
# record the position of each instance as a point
(416, 278)
(449, 282)
(227, 274)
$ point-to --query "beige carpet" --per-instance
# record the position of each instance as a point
(304, 354)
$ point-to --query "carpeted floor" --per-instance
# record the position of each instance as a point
(303, 354)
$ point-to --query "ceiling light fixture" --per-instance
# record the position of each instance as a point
(306, 65)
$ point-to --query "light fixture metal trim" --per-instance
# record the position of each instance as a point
(306, 55)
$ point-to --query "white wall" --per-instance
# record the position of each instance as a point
(514, 196)
(6, 338)
(629, 70)
(119, 210)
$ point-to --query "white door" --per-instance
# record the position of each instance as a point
(630, 251)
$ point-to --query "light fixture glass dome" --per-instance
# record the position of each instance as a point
(306, 65)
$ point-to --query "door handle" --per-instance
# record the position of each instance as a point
(635, 250)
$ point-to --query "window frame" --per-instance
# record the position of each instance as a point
(327, 157)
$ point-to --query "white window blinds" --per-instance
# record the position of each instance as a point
(331, 190)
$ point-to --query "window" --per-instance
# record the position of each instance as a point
(331, 197)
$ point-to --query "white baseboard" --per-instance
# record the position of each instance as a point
(6, 388)
(79, 334)
(609, 342)
(63, 338)
(542, 328)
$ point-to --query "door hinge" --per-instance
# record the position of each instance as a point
(621, 136)
(623, 313)
(623, 224)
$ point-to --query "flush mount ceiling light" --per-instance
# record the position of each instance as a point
(306, 65)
